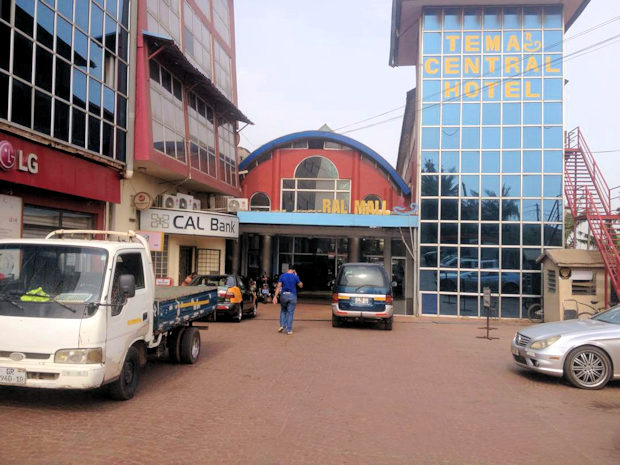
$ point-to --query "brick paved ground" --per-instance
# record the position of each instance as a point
(427, 392)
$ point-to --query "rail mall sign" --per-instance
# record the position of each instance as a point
(189, 222)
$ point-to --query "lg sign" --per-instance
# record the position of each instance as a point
(8, 159)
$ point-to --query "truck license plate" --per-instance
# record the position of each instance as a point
(12, 376)
(362, 300)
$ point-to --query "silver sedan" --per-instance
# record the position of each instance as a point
(585, 352)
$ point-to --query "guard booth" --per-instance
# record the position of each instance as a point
(573, 282)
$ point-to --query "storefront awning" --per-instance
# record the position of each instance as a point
(328, 219)
(172, 56)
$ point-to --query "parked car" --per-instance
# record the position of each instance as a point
(585, 352)
(234, 296)
(362, 291)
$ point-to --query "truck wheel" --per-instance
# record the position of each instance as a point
(387, 323)
(190, 345)
(174, 345)
(336, 321)
(125, 386)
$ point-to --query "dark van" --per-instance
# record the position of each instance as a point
(362, 291)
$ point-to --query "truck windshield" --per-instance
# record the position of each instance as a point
(49, 281)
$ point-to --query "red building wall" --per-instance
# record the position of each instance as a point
(366, 178)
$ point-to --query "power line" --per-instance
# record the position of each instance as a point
(563, 41)
(577, 54)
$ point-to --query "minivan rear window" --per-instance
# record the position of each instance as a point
(362, 280)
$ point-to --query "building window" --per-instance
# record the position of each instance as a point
(202, 135)
(226, 139)
(372, 198)
(316, 167)
(221, 18)
(167, 111)
(40, 221)
(208, 261)
(65, 82)
(197, 41)
(163, 18)
(260, 202)
(315, 184)
(160, 260)
(223, 70)
(551, 284)
(583, 283)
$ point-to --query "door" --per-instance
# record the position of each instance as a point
(246, 293)
(186, 262)
(398, 290)
(127, 320)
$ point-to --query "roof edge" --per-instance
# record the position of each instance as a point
(332, 137)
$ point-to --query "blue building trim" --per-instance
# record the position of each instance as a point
(328, 219)
(332, 137)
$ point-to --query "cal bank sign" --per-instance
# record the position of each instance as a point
(190, 222)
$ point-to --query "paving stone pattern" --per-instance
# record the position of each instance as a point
(428, 392)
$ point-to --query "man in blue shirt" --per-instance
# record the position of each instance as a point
(287, 285)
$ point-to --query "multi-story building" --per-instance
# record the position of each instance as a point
(185, 158)
(483, 146)
(65, 125)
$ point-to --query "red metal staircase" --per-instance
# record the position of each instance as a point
(589, 199)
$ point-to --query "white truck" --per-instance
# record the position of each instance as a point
(79, 310)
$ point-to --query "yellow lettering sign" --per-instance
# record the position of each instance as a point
(472, 43)
(448, 89)
(511, 63)
(548, 68)
(428, 63)
(452, 39)
(492, 43)
(490, 86)
(471, 65)
(512, 89)
(492, 61)
(532, 65)
(528, 90)
(513, 44)
(451, 65)
(471, 89)
(530, 45)
(327, 206)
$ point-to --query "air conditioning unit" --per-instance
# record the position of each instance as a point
(169, 201)
(196, 204)
(235, 205)
(186, 202)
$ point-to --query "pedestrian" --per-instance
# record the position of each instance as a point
(287, 286)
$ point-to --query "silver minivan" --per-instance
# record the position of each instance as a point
(362, 291)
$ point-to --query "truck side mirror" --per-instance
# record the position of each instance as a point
(127, 285)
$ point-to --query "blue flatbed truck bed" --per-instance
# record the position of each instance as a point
(179, 305)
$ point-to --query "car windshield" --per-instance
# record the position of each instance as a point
(362, 279)
(49, 281)
(610, 316)
(219, 281)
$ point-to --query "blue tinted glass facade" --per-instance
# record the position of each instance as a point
(491, 155)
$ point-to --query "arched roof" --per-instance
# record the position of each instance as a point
(331, 137)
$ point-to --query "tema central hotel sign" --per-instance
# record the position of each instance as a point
(528, 61)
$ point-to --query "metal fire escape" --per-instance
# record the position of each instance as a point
(589, 199)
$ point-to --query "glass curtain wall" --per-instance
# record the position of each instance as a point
(491, 155)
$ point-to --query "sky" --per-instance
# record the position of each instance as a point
(302, 64)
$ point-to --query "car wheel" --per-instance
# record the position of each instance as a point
(190, 345)
(336, 321)
(535, 313)
(239, 316)
(587, 367)
(125, 386)
(387, 323)
(174, 345)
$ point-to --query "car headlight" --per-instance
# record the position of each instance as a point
(544, 343)
(79, 356)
